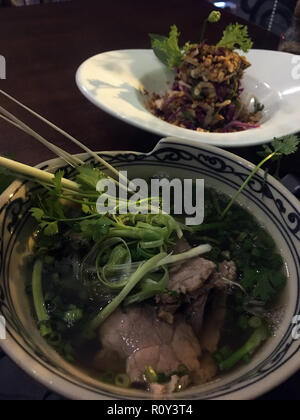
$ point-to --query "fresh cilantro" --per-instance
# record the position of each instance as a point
(280, 147)
(263, 285)
(96, 229)
(49, 214)
(167, 49)
(86, 208)
(57, 182)
(53, 208)
(88, 177)
(37, 213)
(50, 228)
(284, 146)
(236, 36)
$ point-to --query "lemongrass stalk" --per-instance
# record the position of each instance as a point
(65, 134)
(54, 148)
(58, 152)
(37, 174)
(10, 118)
(71, 160)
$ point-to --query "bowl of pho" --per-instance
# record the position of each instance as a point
(108, 295)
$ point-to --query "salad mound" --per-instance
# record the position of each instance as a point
(206, 93)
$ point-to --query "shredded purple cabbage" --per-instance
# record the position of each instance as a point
(205, 101)
(239, 124)
(222, 91)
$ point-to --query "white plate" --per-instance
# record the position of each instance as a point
(114, 81)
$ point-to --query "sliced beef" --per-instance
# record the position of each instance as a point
(191, 276)
(214, 322)
(168, 304)
(215, 318)
(172, 333)
(111, 360)
(207, 371)
(227, 272)
(193, 282)
(140, 338)
(195, 309)
(186, 280)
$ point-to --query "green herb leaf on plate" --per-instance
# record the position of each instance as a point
(236, 36)
(167, 49)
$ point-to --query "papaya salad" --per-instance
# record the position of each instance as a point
(207, 89)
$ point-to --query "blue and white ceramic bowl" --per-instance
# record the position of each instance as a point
(276, 209)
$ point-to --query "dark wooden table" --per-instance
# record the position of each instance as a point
(44, 45)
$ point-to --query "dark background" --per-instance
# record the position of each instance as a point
(259, 12)
(256, 11)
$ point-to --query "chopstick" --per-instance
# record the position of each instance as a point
(42, 176)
